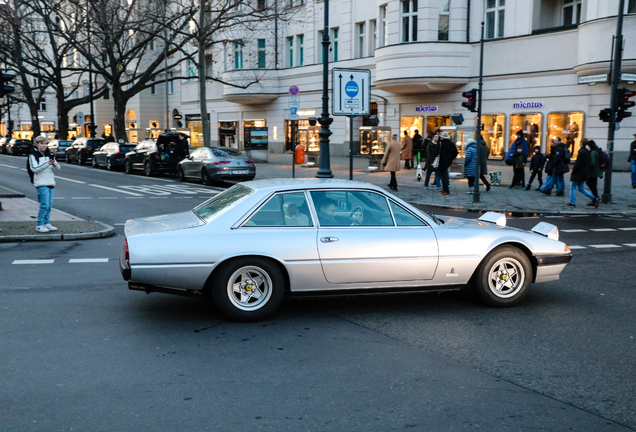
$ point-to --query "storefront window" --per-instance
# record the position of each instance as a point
(303, 134)
(227, 134)
(493, 133)
(569, 127)
(435, 122)
(530, 124)
(409, 124)
(194, 123)
(373, 140)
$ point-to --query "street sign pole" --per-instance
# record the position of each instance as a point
(351, 147)
(294, 104)
(476, 195)
(293, 146)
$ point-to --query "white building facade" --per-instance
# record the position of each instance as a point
(422, 54)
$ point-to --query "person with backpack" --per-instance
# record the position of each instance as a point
(432, 152)
(580, 173)
(40, 165)
(596, 171)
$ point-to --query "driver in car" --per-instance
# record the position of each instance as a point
(327, 211)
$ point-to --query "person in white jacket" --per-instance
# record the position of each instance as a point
(42, 165)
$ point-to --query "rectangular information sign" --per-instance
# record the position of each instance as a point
(351, 92)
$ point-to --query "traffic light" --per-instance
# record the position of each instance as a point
(5, 84)
(623, 103)
(471, 102)
(605, 114)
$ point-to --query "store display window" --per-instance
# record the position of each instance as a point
(493, 133)
(435, 122)
(569, 127)
(409, 124)
(373, 140)
(530, 124)
(303, 134)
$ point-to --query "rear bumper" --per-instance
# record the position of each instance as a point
(124, 266)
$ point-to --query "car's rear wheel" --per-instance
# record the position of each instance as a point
(504, 277)
(94, 163)
(147, 169)
(205, 177)
(80, 159)
(248, 289)
(180, 175)
(128, 167)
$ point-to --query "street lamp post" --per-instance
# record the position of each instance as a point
(91, 125)
(476, 195)
(324, 168)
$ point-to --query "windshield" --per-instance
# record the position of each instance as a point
(225, 152)
(225, 200)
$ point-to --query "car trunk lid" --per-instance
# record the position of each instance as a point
(162, 223)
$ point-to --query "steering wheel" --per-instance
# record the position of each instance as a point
(357, 215)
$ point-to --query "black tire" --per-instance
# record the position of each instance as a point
(94, 162)
(109, 164)
(180, 175)
(80, 160)
(504, 277)
(237, 284)
(68, 159)
(147, 169)
(128, 167)
(205, 177)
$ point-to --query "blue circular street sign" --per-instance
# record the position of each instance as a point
(351, 89)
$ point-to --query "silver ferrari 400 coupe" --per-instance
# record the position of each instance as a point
(258, 241)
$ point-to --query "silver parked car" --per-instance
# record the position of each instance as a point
(209, 164)
(257, 241)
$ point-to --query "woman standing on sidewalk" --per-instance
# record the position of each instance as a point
(42, 163)
(391, 160)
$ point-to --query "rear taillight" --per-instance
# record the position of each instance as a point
(126, 253)
(221, 162)
(251, 162)
(89, 148)
(117, 154)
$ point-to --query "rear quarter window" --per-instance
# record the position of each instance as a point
(223, 201)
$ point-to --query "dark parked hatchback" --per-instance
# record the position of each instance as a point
(149, 157)
(19, 147)
(112, 155)
(58, 148)
(82, 149)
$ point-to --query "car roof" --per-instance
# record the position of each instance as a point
(272, 185)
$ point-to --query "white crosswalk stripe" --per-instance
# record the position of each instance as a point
(44, 261)
(605, 246)
(88, 260)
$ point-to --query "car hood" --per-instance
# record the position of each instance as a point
(457, 222)
(162, 223)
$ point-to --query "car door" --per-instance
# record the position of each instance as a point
(194, 165)
(137, 157)
(387, 244)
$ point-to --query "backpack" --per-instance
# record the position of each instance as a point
(29, 168)
(567, 156)
(603, 159)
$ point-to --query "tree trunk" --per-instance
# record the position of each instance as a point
(203, 97)
(120, 115)
(62, 120)
(35, 121)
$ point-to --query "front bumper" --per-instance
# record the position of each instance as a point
(549, 267)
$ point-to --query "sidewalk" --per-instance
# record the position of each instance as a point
(18, 216)
(499, 199)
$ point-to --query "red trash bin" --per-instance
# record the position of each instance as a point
(300, 154)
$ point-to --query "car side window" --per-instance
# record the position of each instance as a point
(282, 209)
(403, 217)
(344, 208)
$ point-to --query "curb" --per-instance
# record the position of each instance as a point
(107, 231)
(9, 193)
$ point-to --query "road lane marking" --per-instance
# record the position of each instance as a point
(108, 197)
(137, 197)
(116, 190)
(628, 229)
(577, 247)
(629, 244)
(71, 180)
(81, 197)
(573, 230)
(602, 229)
(605, 246)
(10, 166)
(46, 261)
(88, 260)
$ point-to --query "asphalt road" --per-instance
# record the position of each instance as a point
(82, 352)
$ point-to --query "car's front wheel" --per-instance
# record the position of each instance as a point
(147, 169)
(128, 167)
(80, 159)
(205, 177)
(248, 289)
(180, 175)
(94, 163)
(109, 164)
(504, 277)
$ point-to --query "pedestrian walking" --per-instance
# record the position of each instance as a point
(518, 149)
(632, 160)
(432, 151)
(580, 172)
(596, 171)
(537, 163)
(391, 160)
(470, 165)
(42, 163)
(559, 167)
(407, 149)
(447, 154)
(549, 169)
(484, 151)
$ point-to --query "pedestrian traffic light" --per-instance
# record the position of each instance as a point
(5, 84)
(605, 114)
(623, 103)
(471, 102)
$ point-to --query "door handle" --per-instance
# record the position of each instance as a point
(329, 239)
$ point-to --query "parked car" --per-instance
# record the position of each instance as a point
(58, 148)
(82, 149)
(216, 163)
(19, 147)
(112, 155)
(257, 241)
(4, 142)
